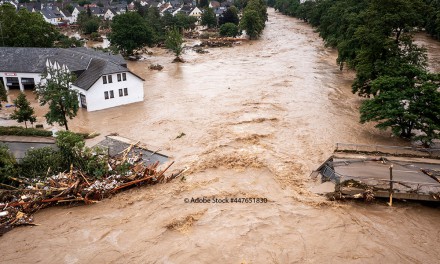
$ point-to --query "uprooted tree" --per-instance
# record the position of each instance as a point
(55, 91)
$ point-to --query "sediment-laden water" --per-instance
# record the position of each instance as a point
(257, 119)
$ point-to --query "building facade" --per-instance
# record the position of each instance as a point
(102, 79)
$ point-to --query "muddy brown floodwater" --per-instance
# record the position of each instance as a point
(257, 119)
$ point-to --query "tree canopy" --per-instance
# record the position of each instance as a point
(24, 29)
(230, 16)
(23, 111)
(374, 38)
(208, 18)
(129, 32)
(229, 30)
(174, 42)
(87, 22)
(254, 18)
(55, 91)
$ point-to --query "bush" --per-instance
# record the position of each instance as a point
(94, 162)
(72, 148)
(21, 131)
(7, 164)
(69, 144)
(39, 162)
(229, 30)
(95, 36)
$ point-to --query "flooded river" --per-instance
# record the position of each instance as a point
(257, 119)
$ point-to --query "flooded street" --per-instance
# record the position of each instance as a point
(257, 118)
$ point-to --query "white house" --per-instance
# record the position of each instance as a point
(196, 12)
(52, 16)
(67, 16)
(75, 13)
(109, 14)
(103, 80)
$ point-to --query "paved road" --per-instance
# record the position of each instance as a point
(19, 149)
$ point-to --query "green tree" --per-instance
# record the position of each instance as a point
(55, 91)
(203, 3)
(174, 42)
(405, 104)
(7, 164)
(23, 112)
(252, 23)
(39, 162)
(94, 162)
(88, 23)
(185, 22)
(260, 7)
(229, 30)
(25, 29)
(230, 16)
(70, 8)
(3, 94)
(208, 18)
(69, 145)
(130, 32)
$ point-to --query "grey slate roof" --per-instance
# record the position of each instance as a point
(95, 70)
(90, 63)
(50, 13)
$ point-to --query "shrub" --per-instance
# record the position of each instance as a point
(38, 162)
(93, 162)
(229, 30)
(95, 36)
(7, 164)
(21, 131)
(70, 145)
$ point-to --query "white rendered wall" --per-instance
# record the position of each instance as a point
(19, 75)
(95, 95)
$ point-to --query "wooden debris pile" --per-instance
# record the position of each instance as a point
(157, 67)
(17, 205)
(219, 42)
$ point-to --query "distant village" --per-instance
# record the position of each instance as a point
(102, 80)
(66, 12)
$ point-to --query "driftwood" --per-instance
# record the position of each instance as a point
(17, 205)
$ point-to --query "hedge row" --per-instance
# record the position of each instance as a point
(21, 131)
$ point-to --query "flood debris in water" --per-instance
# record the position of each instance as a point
(366, 175)
(219, 42)
(130, 167)
(156, 67)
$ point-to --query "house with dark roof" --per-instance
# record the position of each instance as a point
(109, 14)
(52, 15)
(76, 11)
(102, 79)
